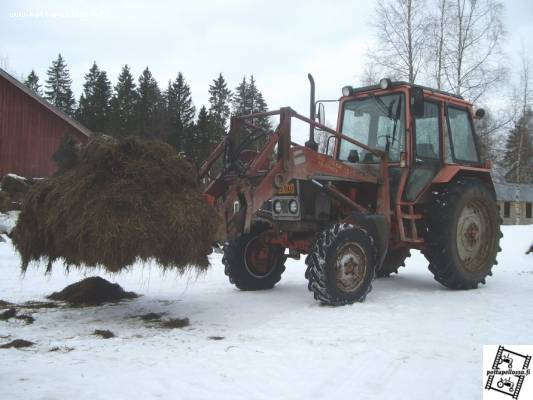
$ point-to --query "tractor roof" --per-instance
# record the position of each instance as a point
(403, 83)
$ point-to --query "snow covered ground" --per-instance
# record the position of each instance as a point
(8, 221)
(411, 339)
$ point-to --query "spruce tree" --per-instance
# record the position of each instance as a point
(123, 105)
(257, 105)
(58, 86)
(248, 99)
(219, 101)
(202, 138)
(94, 104)
(219, 109)
(32, 82)
(240, 98)
(180, 113)
(149, 107)
(518, 159)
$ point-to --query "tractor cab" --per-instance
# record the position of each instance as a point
(421, 130)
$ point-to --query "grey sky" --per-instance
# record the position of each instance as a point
(277, 41)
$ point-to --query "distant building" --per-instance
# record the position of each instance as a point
(31, 130)
(515, 212)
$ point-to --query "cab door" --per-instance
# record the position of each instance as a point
(426, 150)
(461, 145)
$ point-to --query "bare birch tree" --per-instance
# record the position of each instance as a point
(438, 32)
(371, 74)
(472, 51)
(402, 31)
(525, 91)
(4, 64)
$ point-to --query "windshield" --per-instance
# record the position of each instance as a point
(377, 121)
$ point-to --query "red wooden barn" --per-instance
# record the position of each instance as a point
(31, 130)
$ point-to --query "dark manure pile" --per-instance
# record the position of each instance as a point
(17, 344)
(106, 334)
(174, 323)
(114, 203)
(92, 291)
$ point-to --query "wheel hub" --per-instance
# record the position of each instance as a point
(350, 267)
(471, 234)
(258, 258)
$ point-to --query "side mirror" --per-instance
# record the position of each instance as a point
(353, 156)
(480, 113)
(321, 115)
(417, 101)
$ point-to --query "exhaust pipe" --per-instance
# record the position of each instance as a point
(312, 112)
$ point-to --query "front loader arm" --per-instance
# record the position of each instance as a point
(238, 193)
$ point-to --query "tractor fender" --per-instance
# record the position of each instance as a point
(457, 172)
(378, 227)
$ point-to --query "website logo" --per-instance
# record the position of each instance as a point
(506, 372)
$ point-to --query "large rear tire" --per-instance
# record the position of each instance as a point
(251, 263)
(394, 259)
(463, 234)
(341, 265)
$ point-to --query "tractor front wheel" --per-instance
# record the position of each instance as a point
(341, 265)
(251, 263)
(463, 234)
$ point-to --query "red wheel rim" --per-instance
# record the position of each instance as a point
(260, 258)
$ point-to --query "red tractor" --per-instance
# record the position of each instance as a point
(507, 383)
(401, 171)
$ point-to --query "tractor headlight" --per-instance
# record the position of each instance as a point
(277, 207)
(293, 206)
(385, 83)
(347, 91)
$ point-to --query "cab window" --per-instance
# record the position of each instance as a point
(377, 121)
(427, 132)
(461, 135)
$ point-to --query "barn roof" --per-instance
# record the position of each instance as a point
(75, 124)
(507, 191)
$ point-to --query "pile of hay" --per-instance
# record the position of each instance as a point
(117, 203)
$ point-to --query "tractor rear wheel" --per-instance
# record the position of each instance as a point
(251, 263)
(341, 265)
(463, 234)
(394, 259)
